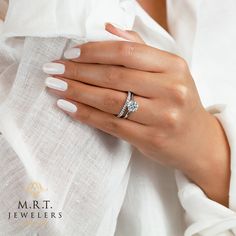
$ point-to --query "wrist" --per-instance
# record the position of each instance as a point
(209, 165)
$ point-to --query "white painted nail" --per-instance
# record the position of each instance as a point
(67, 106)
(54, 68)
(72, 53)
(56, 84)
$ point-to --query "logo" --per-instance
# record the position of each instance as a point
(35, 211)
(35, 189)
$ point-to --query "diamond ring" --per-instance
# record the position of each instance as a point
(130, 106)
(122, 112)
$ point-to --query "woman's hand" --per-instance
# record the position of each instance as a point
(171, 126)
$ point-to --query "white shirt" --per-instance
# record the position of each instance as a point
(88, 175)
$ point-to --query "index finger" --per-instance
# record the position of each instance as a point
(129, 54)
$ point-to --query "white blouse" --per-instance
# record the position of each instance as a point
(98, 184)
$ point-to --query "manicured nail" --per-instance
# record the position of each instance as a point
(72, 53)
(67, 106)
(56, 84)
(54, 68)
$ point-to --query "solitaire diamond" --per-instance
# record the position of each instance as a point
(132, 106)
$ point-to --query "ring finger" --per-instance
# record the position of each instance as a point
(107, 100)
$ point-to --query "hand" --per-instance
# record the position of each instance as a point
(171, 126)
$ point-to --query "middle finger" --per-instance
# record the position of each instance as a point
(145, 84)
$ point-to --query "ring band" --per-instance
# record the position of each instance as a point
(130, 106)
(122, 112)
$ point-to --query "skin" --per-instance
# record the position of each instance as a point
(171, 125)
(3, 9)
(157, 10)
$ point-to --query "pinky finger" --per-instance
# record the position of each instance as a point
(126, 34)
(127, 130)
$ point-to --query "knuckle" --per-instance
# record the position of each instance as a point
(181, 64)
(172, 119)
(111, 75)
(73, 91)
(126, 49)
(75, 70)
(180, 93)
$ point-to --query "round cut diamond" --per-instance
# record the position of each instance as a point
(132, 106)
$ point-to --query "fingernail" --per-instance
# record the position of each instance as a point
(72, 53)
(67, 106)
(56, 84)
(54, 68)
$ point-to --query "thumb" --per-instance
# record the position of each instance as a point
(125, 34)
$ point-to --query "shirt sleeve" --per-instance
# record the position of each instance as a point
(203, 216)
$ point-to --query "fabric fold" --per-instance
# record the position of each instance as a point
(84, 20)
(52, 149)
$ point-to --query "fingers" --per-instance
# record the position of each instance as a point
(129, 131)
(128, 54)
(106, 100)
(151, 112)
(126, 34)
(141, 83)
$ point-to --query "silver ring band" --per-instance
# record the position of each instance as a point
(130, 106)
(122, 112)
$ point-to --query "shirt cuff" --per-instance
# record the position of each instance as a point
(204, 216)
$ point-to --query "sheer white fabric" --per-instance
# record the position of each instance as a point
(90, 176)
